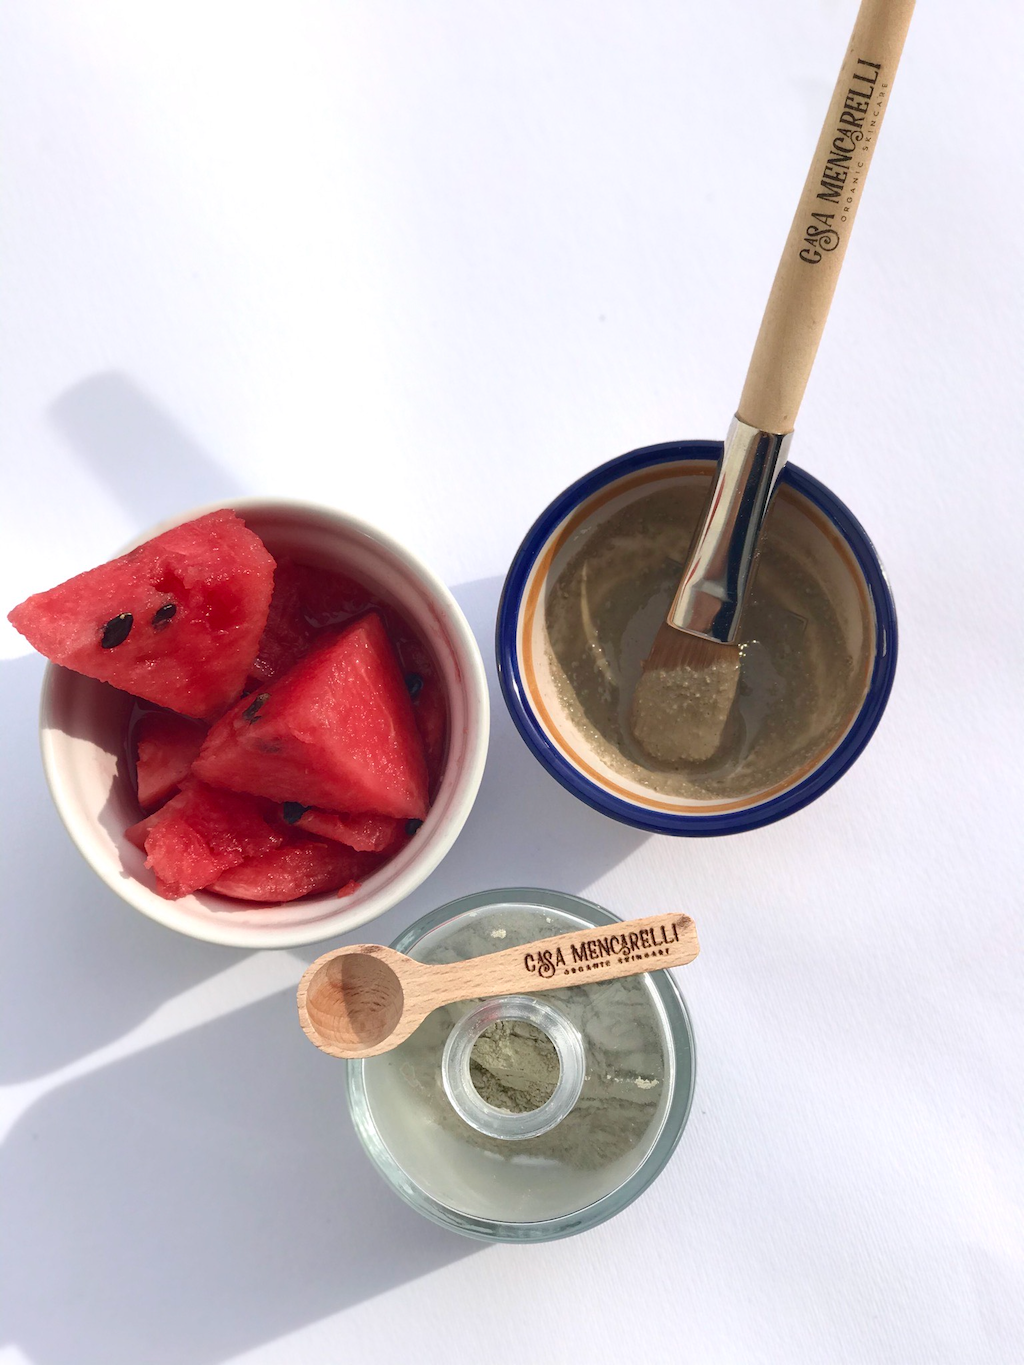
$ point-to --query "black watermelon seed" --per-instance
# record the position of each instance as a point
(411, 826)
(162, 616)
(252, 711)
(292, 812)
(116, 631)
(414, 683)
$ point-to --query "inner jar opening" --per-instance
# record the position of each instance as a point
(513, 1068)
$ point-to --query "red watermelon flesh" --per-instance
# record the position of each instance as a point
(428, 699)
(432, 720)
(166, 747)
(365, 833)
(176, 621)
(287, 635)
(201, 833)
(308, 601)
(336, 732)
(302, 866)
(432, 723)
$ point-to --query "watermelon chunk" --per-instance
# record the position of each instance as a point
(432, 722)
(365, 833)
(166, 746)
(337, 732)
(201, 833)
(428, 699)
(287, 635)
(306, 601)
(302, 866)
(176, 621)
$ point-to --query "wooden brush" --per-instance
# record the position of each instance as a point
(684, 699)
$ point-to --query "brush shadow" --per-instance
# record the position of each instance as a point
(108, 966)
(149, 463)
(197, 1199)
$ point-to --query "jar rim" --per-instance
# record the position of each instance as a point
(470, 1105)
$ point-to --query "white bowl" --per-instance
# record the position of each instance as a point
(82, 725)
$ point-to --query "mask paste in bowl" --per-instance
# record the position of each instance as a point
(585, 597)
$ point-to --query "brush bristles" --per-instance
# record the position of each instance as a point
(683, 701)
(678, 649)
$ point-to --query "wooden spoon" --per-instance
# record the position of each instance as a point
(364, 1000)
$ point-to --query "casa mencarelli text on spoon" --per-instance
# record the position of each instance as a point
(597, 952)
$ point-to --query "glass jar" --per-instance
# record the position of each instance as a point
(461, 1151)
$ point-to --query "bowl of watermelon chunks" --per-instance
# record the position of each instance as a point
(264, 724)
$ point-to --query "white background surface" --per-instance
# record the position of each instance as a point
(430, 262)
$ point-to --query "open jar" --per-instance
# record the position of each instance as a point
(525, 1118)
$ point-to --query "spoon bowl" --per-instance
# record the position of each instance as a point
(354, 1002)
(357, 999)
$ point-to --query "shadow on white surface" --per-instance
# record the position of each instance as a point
(108, 966)
(146, 460)
(197, 1199)
(206, 1194)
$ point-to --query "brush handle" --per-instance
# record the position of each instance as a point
(806, 278)
(583, 957)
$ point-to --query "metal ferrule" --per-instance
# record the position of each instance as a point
(714, 582)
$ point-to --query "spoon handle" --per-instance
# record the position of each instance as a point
(583, 957)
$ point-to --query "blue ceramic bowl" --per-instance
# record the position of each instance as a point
(818, 523)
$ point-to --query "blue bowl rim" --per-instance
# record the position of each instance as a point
(666, 822)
